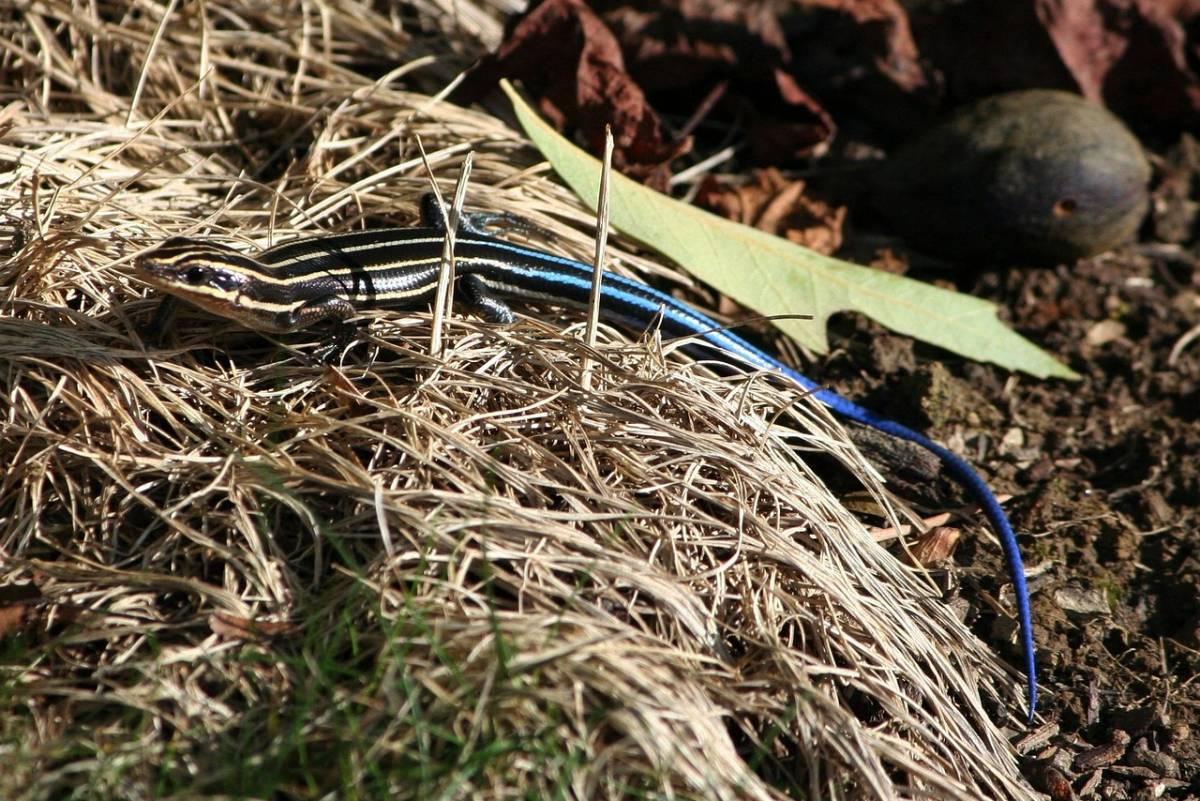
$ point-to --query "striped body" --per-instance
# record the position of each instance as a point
(302, 282)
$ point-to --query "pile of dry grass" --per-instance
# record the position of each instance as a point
(231, 569)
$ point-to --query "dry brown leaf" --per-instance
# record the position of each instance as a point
(1130, 55)
(934, 548)
(572, 64)
(883, 27)
(777, 205)
(678, 49)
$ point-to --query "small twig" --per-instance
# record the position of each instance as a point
(445, 295)
(602, 225)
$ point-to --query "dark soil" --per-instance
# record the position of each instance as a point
(1105, 475)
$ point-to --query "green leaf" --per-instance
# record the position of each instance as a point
(775, 277)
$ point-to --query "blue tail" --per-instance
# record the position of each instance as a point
(966, 476)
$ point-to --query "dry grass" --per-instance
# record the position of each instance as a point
(231, 571)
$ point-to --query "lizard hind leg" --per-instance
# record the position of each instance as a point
(482, 299)
(476, 223)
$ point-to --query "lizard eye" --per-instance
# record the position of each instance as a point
(196, 275)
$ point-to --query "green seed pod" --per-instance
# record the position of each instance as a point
(1030, 177)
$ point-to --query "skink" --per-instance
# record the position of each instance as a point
(306, 281)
